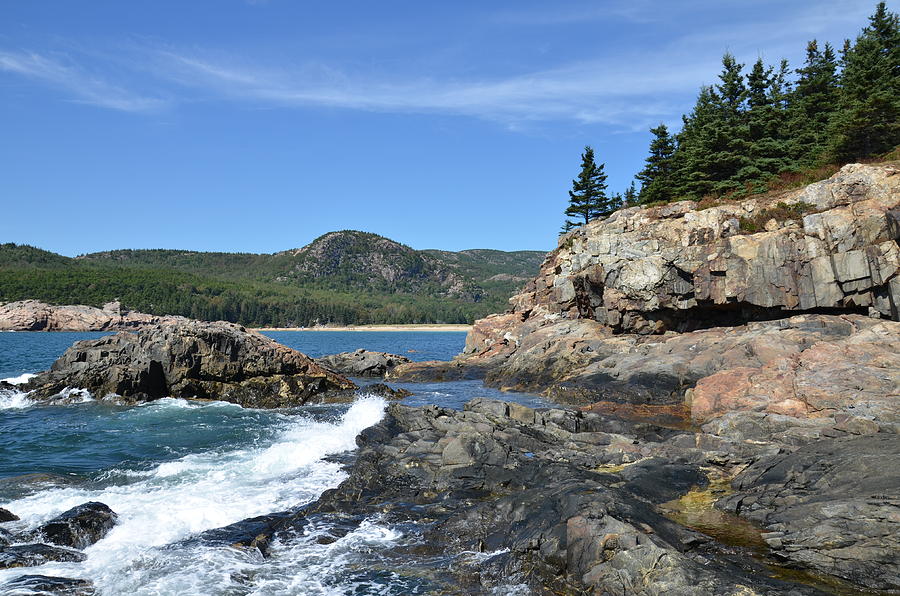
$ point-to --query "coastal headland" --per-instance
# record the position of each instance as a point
(729, 418)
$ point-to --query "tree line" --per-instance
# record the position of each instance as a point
(771, 121)
(26, 273)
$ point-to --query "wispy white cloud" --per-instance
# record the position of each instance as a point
(84, 86)
(590, 92)
(628, 87)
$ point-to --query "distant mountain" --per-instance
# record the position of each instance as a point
(359, 260)
(346, 277)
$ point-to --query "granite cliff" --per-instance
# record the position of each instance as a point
(641, 306)
(830, 247)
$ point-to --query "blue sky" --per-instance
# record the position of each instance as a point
(257, 125)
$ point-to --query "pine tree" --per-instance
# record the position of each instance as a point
(714, 142)
(767, 146)
(588, 199)
(630, 197)
(657, 178)
(727, 135)
(869, 119)
(691, 177)
(814, 103)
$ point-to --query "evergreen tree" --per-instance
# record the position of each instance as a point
(713, 144)
(689, 179)
(814, 103)
(630, 197)
(767, 146)
(656, 178)
(588, 199)
(726, 136)
(869, 118)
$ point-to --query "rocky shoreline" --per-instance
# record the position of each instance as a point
(737, 429)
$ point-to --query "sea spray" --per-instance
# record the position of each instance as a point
(197, 492)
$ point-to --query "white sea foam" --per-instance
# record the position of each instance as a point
(14, 400)
(304, 566)
(198, 492)
(20, 380)
(73, 395)
(11, 399)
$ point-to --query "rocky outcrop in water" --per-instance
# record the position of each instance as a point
(190, 359)
(32, 315)
(80, 526)
(7, 516)
(678, 304)
(771, 355)
(362, 363)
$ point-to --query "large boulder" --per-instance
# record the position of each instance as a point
(362, 363)
(33, 315)
(189, 359)
(80, 526)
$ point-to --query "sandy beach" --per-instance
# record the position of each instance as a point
(373, 328)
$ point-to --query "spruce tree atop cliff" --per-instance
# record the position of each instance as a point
(587, 199)
(656, 177)
(868, 121)
(813, 104)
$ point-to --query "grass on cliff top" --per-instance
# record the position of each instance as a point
(792, 180)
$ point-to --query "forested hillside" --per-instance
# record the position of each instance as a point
(333, 280)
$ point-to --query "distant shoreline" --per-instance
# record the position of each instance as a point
(364, 328)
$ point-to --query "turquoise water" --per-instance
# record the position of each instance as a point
(174, 468)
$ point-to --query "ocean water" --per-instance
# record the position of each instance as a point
(173, 468)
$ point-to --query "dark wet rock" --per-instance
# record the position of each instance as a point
(362, 363)
(6, 537)
(32, 555)
(831, 506)
(564, 503)
(252, 533)
(80, 526)
(7, 516)
(45, 584)
(190, 359)
(385, 391)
